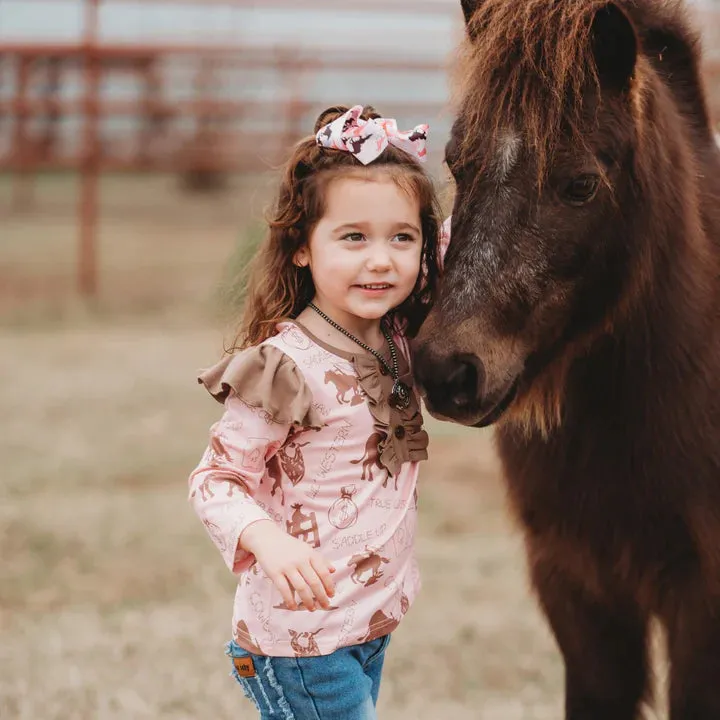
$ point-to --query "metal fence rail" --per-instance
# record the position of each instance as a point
(208, 107)
(62, 113)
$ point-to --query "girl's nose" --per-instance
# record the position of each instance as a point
(378, 258)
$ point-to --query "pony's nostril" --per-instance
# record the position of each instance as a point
(465, 381)
(451, 385)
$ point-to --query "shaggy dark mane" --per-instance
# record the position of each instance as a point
(531, 62)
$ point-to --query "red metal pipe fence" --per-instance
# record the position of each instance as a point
(217, 144)
(209, 133)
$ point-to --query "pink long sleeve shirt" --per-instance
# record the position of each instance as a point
(309, 441)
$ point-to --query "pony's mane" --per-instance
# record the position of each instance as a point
(527, 61)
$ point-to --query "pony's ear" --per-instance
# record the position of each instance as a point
(615, 46)
(469, 7)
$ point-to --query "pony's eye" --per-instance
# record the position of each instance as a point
(582, 189)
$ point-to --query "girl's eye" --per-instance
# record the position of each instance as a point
(404, 238)
(354, 237)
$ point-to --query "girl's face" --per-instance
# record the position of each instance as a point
(364, 254)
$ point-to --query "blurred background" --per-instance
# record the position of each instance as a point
(139, 144)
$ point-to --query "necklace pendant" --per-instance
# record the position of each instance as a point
(399, 396)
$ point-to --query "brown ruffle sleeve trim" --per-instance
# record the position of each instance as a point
(403, 437)
(266, 378)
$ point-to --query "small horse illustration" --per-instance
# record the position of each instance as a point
(371, 458)
(207, 492)
(344, 383)
(368, 562)
(304, 643)
(356, 143)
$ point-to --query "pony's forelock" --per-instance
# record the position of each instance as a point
(547, 63)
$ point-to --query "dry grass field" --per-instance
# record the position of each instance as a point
(113, 603)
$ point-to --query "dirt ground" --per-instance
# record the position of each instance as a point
(113, 602)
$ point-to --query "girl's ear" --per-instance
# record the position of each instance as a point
(302, 257)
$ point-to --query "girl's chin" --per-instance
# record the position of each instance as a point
(371, 306)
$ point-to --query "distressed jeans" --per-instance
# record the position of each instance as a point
(341, 686)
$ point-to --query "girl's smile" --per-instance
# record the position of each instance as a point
(374, 290)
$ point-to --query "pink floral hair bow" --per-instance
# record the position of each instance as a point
(366, 139)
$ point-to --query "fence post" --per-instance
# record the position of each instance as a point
(88, 211)
(22, 152)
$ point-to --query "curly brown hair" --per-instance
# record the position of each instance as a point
(277, 288)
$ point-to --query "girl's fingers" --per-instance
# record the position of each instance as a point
(301, 588)
(286, 591)
(312, 577)
(323, 571)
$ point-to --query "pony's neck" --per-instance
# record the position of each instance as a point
(673, 319)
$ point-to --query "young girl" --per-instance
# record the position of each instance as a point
(308, 485)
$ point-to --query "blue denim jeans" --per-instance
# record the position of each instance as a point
(341, 686)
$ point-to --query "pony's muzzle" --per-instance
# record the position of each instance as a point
(452, 386)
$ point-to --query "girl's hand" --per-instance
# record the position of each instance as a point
(291, 564)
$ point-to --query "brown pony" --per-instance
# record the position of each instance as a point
(580, 310)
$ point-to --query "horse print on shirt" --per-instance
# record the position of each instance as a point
(344, 383)
(368, 562)
(371, 458)
(304, 643)
(205, 487)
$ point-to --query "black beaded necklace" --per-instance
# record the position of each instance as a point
(400, 394)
